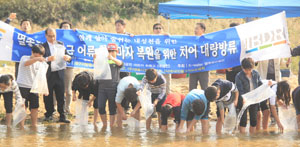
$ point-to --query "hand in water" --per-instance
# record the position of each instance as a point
(179, 130)
(280, 127)
(124, 117)
(132, 113)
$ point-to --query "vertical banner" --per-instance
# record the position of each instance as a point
(265, 39)
(6, 43)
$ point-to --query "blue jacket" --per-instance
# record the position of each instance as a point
(242, 82)
(187, 103)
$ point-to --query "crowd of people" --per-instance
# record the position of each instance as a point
(123, 90)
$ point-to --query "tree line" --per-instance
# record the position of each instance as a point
(44, 12)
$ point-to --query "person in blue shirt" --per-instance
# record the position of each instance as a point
(195, 107)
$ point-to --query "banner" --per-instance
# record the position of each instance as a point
(259, 39)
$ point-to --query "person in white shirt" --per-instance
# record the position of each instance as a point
(126, 93)
(28, 68)
(55, 75)
(8, 87)
(282, 98)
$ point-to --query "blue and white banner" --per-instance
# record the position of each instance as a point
(259, 39)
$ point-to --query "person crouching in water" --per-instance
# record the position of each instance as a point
(127, 93)
(228, 95)
(171, 106)
(85, 84)
(195, 107)
(8, 87)
(282, 98)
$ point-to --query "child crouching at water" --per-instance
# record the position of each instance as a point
(282, 98)
(127, 93)
(86, 85)
(171, 107)
(8, 87)
(195, 107)
(228, 95)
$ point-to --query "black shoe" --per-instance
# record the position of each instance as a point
(64, 121)
(50, 118)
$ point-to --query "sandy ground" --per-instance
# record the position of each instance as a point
(180, 85)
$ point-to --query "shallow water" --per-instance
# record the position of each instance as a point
(74, 135)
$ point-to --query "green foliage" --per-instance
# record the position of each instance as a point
(44, 12)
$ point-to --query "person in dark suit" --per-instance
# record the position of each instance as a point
(55, 79)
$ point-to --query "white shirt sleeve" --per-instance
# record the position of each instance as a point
(273, 98)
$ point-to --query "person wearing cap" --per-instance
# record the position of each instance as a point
(108, 88)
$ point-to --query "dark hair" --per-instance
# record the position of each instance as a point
(65, 22)
(23, 20)
(211, 93)
(48, 29)
(198, 106)
(202, 25)
(122, 22)
(38, 48)
(158, 24)
(130, 94)
(151, 74)
(234, 24)
(248, 63)
(6, 78)
(283, 92)
(83, 79)
(166, 110)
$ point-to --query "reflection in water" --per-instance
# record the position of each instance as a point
(74, 135)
